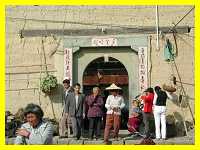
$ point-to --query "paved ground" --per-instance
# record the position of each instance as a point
(122, 141)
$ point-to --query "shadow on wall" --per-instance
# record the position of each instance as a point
(171, 126)
(180, 100)
(175, 125)
(56, 95)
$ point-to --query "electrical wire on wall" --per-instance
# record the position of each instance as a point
(157, 29)
(174, 65)
(150, 60)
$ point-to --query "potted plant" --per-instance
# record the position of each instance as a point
(48, 84)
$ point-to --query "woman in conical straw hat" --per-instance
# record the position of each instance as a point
(114, 104)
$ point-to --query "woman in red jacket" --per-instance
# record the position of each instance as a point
(147, 99)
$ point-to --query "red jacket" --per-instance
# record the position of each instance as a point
(148, 102)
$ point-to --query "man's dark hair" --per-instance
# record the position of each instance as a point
(150, 90)
(157, 88)
(66, 81)
(77, 84)
(34, 109)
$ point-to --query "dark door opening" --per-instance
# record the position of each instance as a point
(103, 72)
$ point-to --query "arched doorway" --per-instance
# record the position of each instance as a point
(104, 71)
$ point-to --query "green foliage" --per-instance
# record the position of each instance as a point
(48, 83)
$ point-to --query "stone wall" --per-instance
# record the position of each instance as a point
(24, 56)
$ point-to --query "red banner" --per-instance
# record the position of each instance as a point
(68, 60)
(143, 80)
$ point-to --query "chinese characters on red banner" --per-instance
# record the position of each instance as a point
(68, 63)
(142, 55)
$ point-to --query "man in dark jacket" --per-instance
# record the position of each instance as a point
(95, 103)
(75, 109)
(63, 120)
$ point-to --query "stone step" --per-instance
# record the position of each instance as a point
(123, 140)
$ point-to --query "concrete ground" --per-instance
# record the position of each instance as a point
(184, 140)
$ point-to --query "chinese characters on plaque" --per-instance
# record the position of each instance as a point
(104, 42)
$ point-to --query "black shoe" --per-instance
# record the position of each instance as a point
(78, 138)
(97, 138)
(61, 137)
(73, 137)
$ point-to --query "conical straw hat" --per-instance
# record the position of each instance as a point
(113, 87)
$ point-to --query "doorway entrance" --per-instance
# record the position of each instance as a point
(102, 72)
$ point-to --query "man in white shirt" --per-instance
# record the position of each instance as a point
(114, 104)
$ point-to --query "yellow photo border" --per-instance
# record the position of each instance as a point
(97, 2)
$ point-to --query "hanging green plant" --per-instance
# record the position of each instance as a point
(48, 84)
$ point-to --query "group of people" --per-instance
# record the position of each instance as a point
(154, 101)
(37, 131)
(75, 110)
